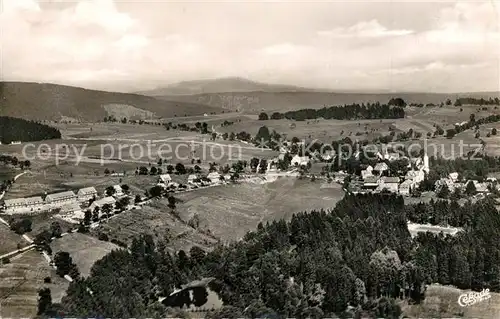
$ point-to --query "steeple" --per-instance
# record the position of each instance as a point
(426, 162)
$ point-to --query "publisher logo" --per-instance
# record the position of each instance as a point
(471, 298)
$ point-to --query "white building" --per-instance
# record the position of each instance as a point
(118, 190)
(35, 203)
(389, 183)
(72, 212)
(101, 202)
(214, 177)
(381, 167)
(192, 178)
(415, 176)
(300, 160)
(453, 176)
(60, 198)
(406, 187)
(165, 179)
(87, 193)
(481, 187)
(23, 205)
(371, 182)
(367, 172)
(117, 174)
(442, 182)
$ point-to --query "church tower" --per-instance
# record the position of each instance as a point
(426, 163)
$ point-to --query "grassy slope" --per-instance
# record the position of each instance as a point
(53, 102)
(20, 281)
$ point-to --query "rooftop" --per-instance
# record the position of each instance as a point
(61, 195)
(87, 191)
(386, 179)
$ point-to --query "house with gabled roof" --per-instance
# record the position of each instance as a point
(192, 178)
(118, 191)
(300, 160)
(87, 193)
(367, 172)
(415, 176)
(389, 183)
(103, 201)
(60, 198)
(371, 182)
(406, 187)
(381, 167)
(214, 177)
(165, 179)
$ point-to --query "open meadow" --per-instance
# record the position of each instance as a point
(232, 210)
(84, 250)
(225, 213)
(10, 241)
(20, 281)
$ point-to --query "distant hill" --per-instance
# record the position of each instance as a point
(40, 101)
(293, 100)
(229, 84)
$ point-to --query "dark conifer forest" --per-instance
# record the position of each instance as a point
(15, 129)
(346, 112)
(358, 259)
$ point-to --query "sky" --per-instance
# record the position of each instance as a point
(446, 46)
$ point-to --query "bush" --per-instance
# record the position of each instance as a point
(47, 280)
(103, 237)
(5, 260)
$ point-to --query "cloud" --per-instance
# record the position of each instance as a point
(96, 43)
(364, 29)
(132, 42)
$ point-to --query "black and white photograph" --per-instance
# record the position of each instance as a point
(244, 159)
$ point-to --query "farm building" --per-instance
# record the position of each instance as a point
(14, 204)
(164, 179)
(117, 174)
(87, 193)
(389, 183)
(444, 181)
(118, 190)
(72, 211)
(415, 176)
(481, 187)
(453, 176)
(23, 205)
(192, 178)
(34, 201)
(370, 182)
(60, 198)
(367, 172)
(381, 167)
(406, 187)
(300, 160)
(214, 177)
(103, 201)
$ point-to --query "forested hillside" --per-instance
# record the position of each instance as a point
(14, 129)
(360, 254)
(44, 101)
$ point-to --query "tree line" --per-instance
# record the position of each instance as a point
(346, 112)
(354, 260)
(16, 129)
(475, 101)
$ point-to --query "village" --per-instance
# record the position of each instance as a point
(70, 205)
